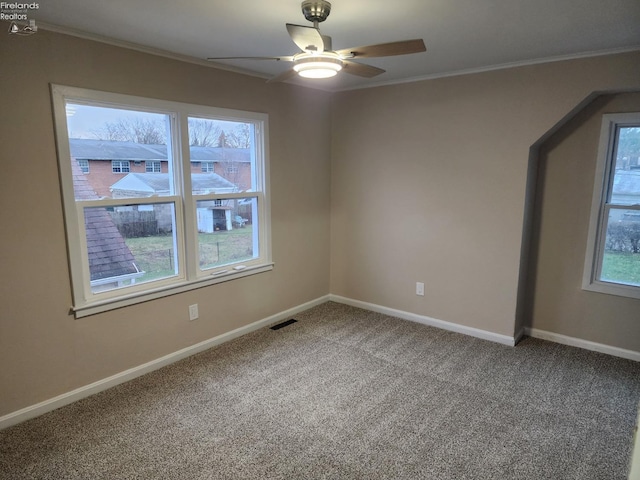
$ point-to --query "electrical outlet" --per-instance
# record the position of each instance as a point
(420, 289)
(193, 311)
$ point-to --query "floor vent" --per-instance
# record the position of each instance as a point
(283, 324)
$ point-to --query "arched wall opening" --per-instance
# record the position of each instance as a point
(561, 174)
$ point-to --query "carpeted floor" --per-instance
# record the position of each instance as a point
(346, 393)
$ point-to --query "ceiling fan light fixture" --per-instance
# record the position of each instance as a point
(322, 65)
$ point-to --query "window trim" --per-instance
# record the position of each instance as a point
(84, 165)
(600, 207)
(85, 302)
(121, 164)
(152, 164)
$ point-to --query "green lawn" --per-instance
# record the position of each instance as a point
(155, 255)
(621, 267)
(221, 248)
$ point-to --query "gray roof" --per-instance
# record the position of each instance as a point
(158, 183)
(89, 149)
(218, 154)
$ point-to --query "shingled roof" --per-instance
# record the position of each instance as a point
(218, 154)
(90, 149)
(109, 255)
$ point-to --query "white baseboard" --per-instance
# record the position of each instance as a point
(432, 322)
(580, 343)
(95, 387)
(106, 383)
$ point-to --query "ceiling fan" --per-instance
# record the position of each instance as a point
(317, 59)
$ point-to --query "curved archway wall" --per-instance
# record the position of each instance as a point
(429, 183)
(554, 300)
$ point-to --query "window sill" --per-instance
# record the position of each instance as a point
(617, 289)
(133, 299)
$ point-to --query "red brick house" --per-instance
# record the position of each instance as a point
(105, 162)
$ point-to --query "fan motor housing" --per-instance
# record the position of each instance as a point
(316, 10)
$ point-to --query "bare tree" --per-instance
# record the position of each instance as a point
(232, 168)
(240, 137)
(222, 139)
(203, 133)
(138, 130)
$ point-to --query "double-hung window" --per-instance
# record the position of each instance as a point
(152, 166)
(120, 166)
(141, 235)
(612, 263)
(84, 165)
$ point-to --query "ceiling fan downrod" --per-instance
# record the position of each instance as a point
(316, 11)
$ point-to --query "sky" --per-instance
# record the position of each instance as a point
(84, 120)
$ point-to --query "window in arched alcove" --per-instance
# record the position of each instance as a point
(612, 263)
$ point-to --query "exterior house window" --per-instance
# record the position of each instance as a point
(152, 166)
(154, 235)
(612, 263)
(231, 169)
(206, 167)
(120, 166)
(84, 166)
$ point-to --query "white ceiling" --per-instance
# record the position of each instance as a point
(460, 35)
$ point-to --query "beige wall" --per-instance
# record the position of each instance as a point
(44, 351)
(426, 182)
(567, 164)
(429, 180)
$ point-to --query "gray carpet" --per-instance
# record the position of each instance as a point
(345, 393)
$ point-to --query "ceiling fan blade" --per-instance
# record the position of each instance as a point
(285, 59)
(283, 76)
(308, 39)
(384, 49)
(360, 69)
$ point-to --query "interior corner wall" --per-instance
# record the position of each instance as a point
(567, 165)
(44, 351)
(428, 184)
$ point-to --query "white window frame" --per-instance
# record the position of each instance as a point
(84, 165)
(207, 167)
(601, 205)
(189, 275)
(150, 166)
(122, 166)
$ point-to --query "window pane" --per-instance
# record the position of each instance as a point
(626, 180)
(153, 166)
(227, 231)
(130, 244)
(621, 257)
(114, 147)
(84, 165)
(222, 156)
